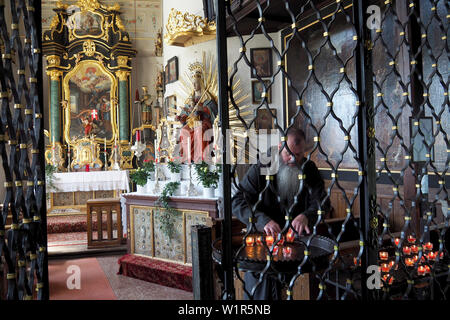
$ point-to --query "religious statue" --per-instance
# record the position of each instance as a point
(146, 107)
(158, 44)
(197, 116)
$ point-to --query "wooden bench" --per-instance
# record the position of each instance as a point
(104, 222)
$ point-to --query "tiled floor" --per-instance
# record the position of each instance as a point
(126, 288)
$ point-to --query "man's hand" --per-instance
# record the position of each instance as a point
(300, 223)
(272, 228)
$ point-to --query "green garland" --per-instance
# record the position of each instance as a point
(209, 179)
(167, 217)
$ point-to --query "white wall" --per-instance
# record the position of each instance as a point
(187, 55)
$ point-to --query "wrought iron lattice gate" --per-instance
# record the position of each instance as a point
(23, 240)
(367, 82)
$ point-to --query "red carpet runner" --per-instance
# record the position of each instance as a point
(164, 273)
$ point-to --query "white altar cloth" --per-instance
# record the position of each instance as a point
(92, 181)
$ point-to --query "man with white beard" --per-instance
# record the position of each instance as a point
(278, 200)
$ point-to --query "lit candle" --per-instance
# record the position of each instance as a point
(411, 239)
(407, 250)
(397, 241)
(385, 267)
(384, 255)
(275, 250)
(259, 240)
(250, 241)
(388, 279)
(428, 246)
(138, 135)
(356, 262)
(281, 241)
(391, 264)
(415, 258)
(290, 236)
(414, 249)
(421, 270)
(432, 256)
(287, 251)
(269, 240)
(441, 255)
(409, 262)
(427, 269)
(87, 167)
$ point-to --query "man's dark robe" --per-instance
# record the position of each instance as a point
(269, 208)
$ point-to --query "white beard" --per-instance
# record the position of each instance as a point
(287, 184)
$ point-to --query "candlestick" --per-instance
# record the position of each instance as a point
(189, 150)
(411, 239)
(428, 246)
(105, 154)
(385, 267)
(409, 262)
(68, 157)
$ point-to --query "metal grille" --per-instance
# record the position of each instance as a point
(368, 83)
(23, 242)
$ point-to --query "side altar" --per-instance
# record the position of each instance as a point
(154, 233)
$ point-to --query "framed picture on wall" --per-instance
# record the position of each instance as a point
(265, 120)
(173, 69)
(258, 89)
(170, 102)
(261, 59)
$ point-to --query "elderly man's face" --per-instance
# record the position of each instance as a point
(297, 149)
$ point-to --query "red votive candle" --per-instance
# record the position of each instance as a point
(409, 262)
(138, 135)
(384, 255)
(397, 241)
(290, 236)
(414, 249)
(385, 267)
(411, 239)
(355, 261)
(421, 270)
(275, 250)
(269, 241)
(287, 251)
(250, 241)
(415, 258)
(281, 241)
(87, 168)
(407, 250)
(428, 246)
(392, 263)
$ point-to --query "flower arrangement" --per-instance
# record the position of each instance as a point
(173, 166)
(208, 178)
(141, 174)
(139, 177)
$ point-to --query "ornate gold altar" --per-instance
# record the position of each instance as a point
(88, 56)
